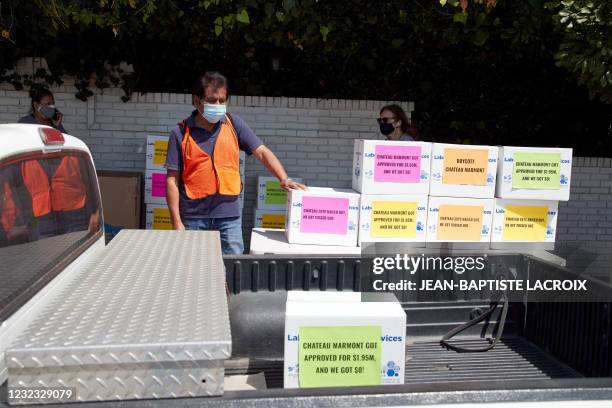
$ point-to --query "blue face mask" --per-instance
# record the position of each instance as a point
(213, 113)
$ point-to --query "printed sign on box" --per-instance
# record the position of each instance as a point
(397, 164)
(322, 216)
(465, 166)
(467, 171)
(270, 195)
(534, 173)
(157, 147)
(339, 356)
(393, 218)
(270, 219)
(466, 221)
(158, 217)
(391, 167)
(155, 187)
(460, 222)
(524, 221)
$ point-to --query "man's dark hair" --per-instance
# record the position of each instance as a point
(208, 79)
(406, 127)
(37, 94)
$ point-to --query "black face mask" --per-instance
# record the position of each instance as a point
(386, 128)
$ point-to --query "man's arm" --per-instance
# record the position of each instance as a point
(274, 166)
(172, 198)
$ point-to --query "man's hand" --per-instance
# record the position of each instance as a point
(289, 184)
(178, 225)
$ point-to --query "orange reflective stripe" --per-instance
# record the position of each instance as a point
(227, 161)
(67, 187)
(203, 175)
(9, 209)
(36, 181)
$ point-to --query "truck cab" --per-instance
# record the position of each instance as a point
(51, 219)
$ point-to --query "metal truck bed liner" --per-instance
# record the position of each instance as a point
(147, 318)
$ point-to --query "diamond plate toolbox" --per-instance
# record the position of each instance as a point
(147, 318)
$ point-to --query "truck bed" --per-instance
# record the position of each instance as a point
(513, 358)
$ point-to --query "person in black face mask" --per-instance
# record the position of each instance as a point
(394, 124)
(43, 110)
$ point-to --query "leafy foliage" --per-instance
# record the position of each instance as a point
(480, 71)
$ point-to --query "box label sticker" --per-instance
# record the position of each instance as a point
(274, 193)
(161, 219)
(525, 223)
(339, 356)
(459, 222)
(465, 166)
(276, 221)
(397, 164)
(324, 215)
(158, 184)
(160, 149)
(394, 219)
(536, 171)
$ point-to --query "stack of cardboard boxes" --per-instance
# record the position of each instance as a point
(157, 213)
(424, 194)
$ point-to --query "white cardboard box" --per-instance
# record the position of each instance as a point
(157, 147)
(517, 222)
(270, 196)
(534, 171)
(459, 220)
(322, 216)
(391, 167)
(269, 219)
(274, 242)
(463, 171)
(393, 218)
(158, 217)
(388, 315)
(155, 187)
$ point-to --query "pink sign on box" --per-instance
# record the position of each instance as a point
(158, 184)
(324, 215)
(397, 164)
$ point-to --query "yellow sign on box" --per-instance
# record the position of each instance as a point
(459, 222)
(160, 149)
(161, 219)
(394, 219)
(275, 221)
(465, 166)
(525, 223)
(339, 356)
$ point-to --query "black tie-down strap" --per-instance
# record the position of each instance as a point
(492, 342)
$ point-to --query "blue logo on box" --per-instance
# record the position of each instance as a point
(563, 179)
(392, 369)
(419, 226)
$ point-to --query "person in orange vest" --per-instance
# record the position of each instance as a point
(203, 166)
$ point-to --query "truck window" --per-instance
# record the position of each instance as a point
(49, 214)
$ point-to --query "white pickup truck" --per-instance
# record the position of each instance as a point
(146, 321)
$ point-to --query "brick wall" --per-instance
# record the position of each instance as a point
(314, 140)
(585, 222)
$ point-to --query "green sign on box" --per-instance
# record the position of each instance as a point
(339, 356)
(536, 171)
(274, 193)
